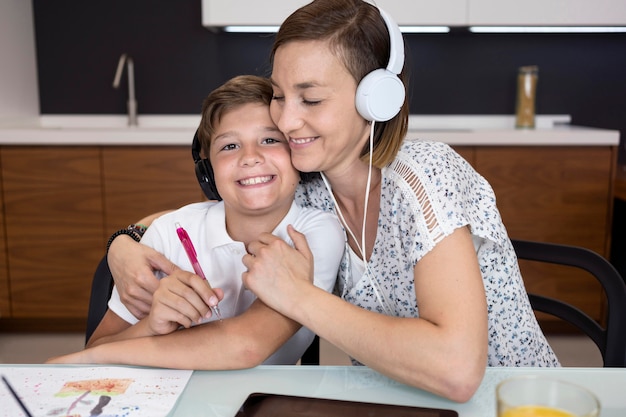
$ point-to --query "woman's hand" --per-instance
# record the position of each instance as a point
(181, 299)
(132, 265)
(276, 270)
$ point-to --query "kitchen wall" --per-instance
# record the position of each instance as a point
(177, 62)
(18, 86)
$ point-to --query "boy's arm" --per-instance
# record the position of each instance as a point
(239, 342)
(181, 299)
(110, 324)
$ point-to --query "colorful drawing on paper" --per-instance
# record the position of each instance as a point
(103, 388)
(94, 391)
(107, 386)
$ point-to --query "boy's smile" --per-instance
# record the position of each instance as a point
(252, 163)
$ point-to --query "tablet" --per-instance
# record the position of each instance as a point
(275, 405)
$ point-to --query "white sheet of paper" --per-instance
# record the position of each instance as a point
(90, 391)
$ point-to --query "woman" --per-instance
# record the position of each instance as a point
(430, 287)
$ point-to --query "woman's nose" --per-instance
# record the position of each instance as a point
(286, 116)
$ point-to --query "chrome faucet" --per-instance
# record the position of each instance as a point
(132, 103)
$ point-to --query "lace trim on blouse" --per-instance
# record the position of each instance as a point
(407, 173)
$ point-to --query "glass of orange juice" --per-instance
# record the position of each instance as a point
(535, 396)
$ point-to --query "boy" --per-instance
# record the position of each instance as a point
(256, 181)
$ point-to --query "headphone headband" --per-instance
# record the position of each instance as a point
(396, 44)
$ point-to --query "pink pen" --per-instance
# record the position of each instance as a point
(193, 258)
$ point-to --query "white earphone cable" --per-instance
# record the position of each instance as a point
(361, 247)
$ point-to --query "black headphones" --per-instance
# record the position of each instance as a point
(204, 170)
(380, 94)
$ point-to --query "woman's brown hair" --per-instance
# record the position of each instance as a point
(357, 34)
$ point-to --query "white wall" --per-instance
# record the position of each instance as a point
(19, 97)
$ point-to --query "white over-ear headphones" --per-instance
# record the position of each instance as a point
(380, 94)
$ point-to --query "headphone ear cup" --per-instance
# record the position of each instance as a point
(206, 178)
(380, 95)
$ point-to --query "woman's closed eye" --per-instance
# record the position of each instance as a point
(311, 102)
(306, 102)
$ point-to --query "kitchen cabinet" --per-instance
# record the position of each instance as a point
(61, 205)
(54, 228)
(141, 180)
(5, 306)
(560, 194)
(426, 12)
(554, 194)
(218, 13)
(541, 12)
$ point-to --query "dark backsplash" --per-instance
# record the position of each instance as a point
(177, 62)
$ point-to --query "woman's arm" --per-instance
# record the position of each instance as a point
(443, 351)
(132, 266)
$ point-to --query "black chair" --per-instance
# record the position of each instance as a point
(101, 287)
(311, 355)
(611, 340)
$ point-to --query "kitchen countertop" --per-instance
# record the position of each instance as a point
(155, 130)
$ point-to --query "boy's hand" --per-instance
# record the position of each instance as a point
(181, 299)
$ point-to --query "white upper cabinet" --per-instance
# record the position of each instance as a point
(547, 12)
(218, 13)
(426, 12)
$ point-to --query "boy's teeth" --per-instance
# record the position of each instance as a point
(255, 180)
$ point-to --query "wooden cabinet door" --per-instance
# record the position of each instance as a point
(5, 299)
(54, 228)
(143, 180)
(554, 194)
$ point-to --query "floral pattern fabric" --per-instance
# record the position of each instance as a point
(427, 192)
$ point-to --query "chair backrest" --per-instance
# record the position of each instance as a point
(611, 339)
(311, 355)
(101, 287)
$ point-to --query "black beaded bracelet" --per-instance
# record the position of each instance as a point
(138, 228)
(130, 232)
